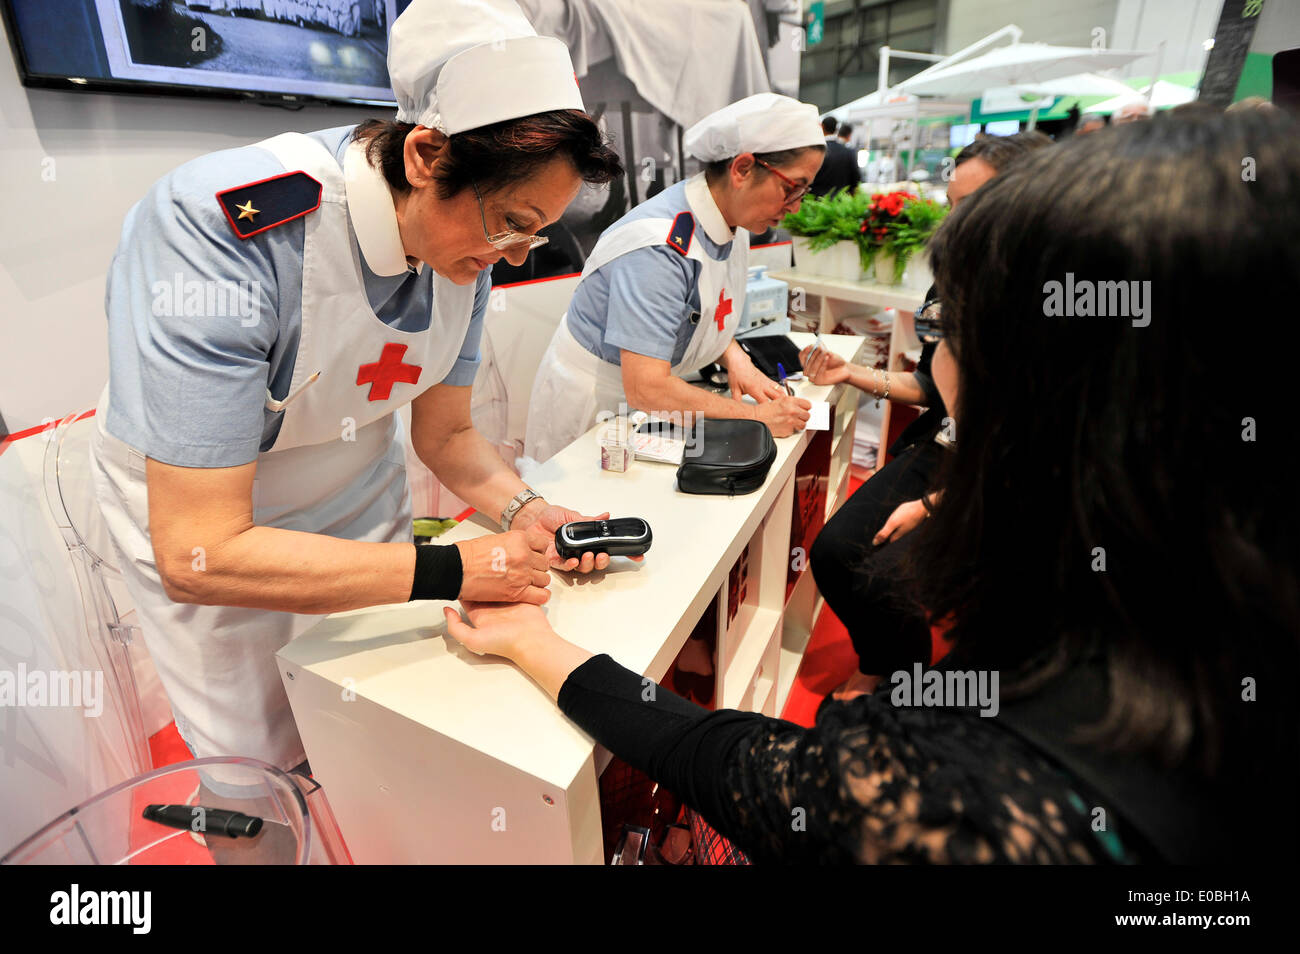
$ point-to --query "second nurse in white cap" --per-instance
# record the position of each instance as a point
(663, 291)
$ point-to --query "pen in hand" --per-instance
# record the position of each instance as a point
(780, 370)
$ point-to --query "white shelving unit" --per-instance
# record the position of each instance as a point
(840, 298)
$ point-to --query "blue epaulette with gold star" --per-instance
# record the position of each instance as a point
(264, 204)
(683, 230)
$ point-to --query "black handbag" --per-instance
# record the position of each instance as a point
(726, 456)
(771, 354)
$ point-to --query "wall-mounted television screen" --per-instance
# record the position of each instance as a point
(276, 50)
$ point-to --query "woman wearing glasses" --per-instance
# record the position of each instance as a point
(247, 459)
(856, 557)
(664, 288)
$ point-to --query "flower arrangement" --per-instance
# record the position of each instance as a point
(895, 223)
(898, 224)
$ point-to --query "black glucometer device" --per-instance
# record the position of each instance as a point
(624, 536)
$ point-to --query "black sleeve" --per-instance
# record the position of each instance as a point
(671, 739)
(693, 752)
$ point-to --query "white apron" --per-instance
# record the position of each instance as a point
(573, 385)
(336, 468)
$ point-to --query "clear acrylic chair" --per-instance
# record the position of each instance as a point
(298, 826)
(71, 499)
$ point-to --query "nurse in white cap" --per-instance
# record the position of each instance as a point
(271, 307)
(664, 288)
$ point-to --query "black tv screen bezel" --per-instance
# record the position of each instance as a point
(31, 79)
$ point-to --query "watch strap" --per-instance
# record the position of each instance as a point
(517, 503)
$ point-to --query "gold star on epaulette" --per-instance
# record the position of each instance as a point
(246, 211)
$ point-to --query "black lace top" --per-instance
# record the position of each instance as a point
(871, 783)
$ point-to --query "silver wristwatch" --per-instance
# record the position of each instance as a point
(516, 504)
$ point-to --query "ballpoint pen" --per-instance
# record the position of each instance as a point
(780, 370)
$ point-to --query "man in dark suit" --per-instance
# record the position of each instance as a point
(840, 167)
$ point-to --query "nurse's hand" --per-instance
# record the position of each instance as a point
(822, 367)
(541, 536)
(785, 415)
(747, 379)
(503, 567)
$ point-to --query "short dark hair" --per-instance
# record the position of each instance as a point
(845, 130)
(713, 171)
(494, 156)
(1000, 151)
(1079, 433)
(829, 124)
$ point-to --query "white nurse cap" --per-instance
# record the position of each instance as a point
(460, 64)
(764, 122)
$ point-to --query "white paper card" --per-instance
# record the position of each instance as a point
(819, 416)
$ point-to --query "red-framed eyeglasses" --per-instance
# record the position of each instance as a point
(793, 191)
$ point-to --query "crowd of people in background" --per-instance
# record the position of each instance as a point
(845, 169)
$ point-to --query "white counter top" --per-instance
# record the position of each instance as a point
(399, 656)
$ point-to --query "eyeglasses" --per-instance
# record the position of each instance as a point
(928, 322)
(793, 191)
(509, 238)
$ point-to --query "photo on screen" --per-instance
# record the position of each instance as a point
(318, 48)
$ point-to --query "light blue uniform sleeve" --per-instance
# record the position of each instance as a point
(467, 361)
(193, 318)
(652, 294)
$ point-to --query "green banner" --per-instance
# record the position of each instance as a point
(815, 23)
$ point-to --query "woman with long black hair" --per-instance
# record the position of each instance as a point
(1113, 541)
